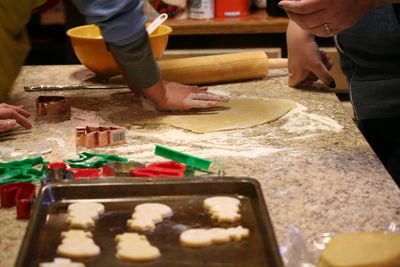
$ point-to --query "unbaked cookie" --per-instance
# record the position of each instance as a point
(61, 262)
(135, 247)
(83, 214)
(204, 237)
(223, 209)
(147, 215)
(77, 244)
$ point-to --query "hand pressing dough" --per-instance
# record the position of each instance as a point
(61, 262)
(205, 237)
(368, 249)
(83, 214)
(223, 209)
(147, 215)
(238, 113)
(135, 247)
(77, 244)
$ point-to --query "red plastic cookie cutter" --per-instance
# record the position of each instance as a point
(60, 171)
(19, 194)
(162, 169)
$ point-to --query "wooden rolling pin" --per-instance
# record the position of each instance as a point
(219, 68)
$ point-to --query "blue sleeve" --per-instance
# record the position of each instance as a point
(121, 21)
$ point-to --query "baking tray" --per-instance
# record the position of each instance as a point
(184, 195)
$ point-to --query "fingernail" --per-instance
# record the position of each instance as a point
(280, 6)
(332, 84)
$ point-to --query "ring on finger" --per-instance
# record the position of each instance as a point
(328, 29)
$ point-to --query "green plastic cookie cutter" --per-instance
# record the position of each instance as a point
(27, 170)
(92, 160)
(192, 163)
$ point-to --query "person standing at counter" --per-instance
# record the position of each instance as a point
(367, 36)
(122, 23)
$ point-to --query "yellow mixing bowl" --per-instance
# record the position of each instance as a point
(89, 47)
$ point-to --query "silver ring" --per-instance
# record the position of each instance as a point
(327, 29)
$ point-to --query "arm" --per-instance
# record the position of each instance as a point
(122, 23)
(306, 61)
(339, 15)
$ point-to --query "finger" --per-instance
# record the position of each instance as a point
(195, 103)
(202, 88)
(6, 125)
(326, 59)
(11, 113)
(20, 109)
(302, 7)
(208, 97)
(196, 89)
(321, 71)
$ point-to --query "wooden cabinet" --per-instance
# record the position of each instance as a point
(258, 22)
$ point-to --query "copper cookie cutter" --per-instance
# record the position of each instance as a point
(53, 106)
(93, 136)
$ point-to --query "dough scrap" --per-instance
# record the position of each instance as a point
(135, 247)
(223, 209)
(238, 113)
(204, 237)
(61, 262)
(83, 214)
(147, 215)
(367, 249)
(77, 244)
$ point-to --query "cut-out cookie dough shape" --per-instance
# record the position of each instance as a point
(61, 262)
(135, 247)
(238, 113)
(147, 215)
(77, 244)
(205, 237)
(223, 209)
(83, 214)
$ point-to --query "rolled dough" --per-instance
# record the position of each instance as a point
(238, 113)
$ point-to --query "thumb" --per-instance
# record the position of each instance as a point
(296, 77)
(6, 125)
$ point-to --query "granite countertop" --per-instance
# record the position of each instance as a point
(316, 170)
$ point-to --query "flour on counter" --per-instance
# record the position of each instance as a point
(210, 145)
(301, 122)
(247, 143)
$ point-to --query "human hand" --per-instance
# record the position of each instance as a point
(306, 62)
(326, 18)
(168, 95)
(11, 115)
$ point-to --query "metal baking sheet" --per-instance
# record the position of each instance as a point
(184, 195)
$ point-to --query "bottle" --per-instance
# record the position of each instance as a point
(274, 10)
(201, 9)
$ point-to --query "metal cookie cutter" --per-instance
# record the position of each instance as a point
(53, 108)
(59, 171)
(93, 136)
(19, 194)
(115, 168)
